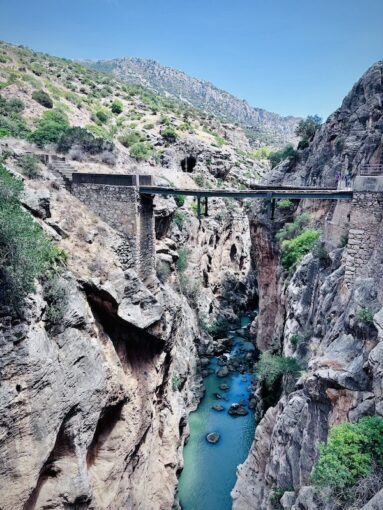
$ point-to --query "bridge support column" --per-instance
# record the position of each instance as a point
(130, 214)
(365, 221)
(146, 238)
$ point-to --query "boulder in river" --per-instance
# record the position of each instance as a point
(223, 372)
(224, 387)
(218, 395)
(217, 407)
(213, 437)
(237, 410)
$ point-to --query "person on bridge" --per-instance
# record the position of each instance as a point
(348, 178)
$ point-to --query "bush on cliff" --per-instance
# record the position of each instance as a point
(84, 140)
(50, 127)
(141, 151)
(25, 252)
(294, 250)
(116, 107)
(292, 229)
(272, 367)
(42, 98)
(307, 128)
(287, 152)
(352, 455)
(11, 122)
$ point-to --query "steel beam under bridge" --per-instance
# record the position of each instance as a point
(265, 194)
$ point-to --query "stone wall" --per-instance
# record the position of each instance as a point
(366, 217)
(128, 213)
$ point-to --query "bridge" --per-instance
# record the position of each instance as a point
(145, 186)
(126, 203)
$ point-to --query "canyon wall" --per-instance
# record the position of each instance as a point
(322, 300)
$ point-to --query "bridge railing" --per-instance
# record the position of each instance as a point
(113, 179)
(371, 170)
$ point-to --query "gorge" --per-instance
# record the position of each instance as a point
(116, 352)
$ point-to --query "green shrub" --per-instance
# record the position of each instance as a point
(293, 228)
(292, 251)
(142, 151)
(169, 134)
(190, 288)
(116, 107)
(295, 339)
(320, 252)
(201, 181)
(101, 116)
(217, 328)
(349, 454)
(285, 204)
(287, 152)
(365, 315)
(42, 98)
(176, 381)
(307, 128)
(272, 367)
(179, 219)
(275, 498)
(11, 122)
(163, 271)
(50, 127)
(83, 139)
(130, 138)
(25, 252)
(182, 261)
(30, 165)
(180, 200)
(57, 298)
(343, 240)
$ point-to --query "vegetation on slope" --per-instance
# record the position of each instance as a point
(26, 254)
(350, 463)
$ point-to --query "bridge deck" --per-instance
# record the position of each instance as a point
(262, 193)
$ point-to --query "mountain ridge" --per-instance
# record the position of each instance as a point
(263, 127)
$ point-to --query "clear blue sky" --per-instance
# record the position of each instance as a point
(288, 56)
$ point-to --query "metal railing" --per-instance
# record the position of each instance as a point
(371, 170)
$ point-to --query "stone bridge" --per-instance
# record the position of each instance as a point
(125, 202)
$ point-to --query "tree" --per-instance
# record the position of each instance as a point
(307, 128)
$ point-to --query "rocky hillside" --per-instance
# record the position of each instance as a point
(262, 126)
(322, 315)
(99, 367)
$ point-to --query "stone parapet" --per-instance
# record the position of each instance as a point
(366, 217)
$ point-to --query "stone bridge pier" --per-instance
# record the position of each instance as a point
(365, 222)
(117, 201)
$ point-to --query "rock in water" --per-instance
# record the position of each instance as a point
(237, 410)
(213, 437)
(223, 372)
(224, 387)
(217, 407)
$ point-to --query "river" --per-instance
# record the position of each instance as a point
(209, 472)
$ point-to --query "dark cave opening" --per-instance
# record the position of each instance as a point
(188, 164)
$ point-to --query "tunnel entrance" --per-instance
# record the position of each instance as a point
(188, 164)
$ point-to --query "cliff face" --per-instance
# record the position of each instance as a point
(340, 353)
(94, 411)
(349, 139)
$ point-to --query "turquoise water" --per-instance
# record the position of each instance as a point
(209, 472)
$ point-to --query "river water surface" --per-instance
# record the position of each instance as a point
(209, 472)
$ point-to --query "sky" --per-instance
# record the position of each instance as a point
(293, 57)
